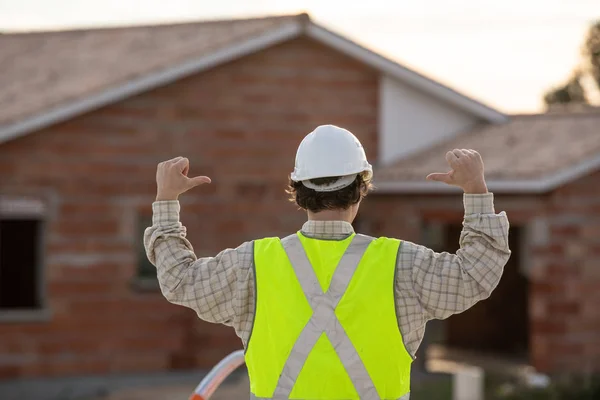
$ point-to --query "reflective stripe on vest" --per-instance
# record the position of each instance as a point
(315, 323)
(323, 319)
(253, 397)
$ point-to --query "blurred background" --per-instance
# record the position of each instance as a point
(94, 94)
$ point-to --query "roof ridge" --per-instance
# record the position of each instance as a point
(303, 16)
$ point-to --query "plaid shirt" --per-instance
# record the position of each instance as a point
(428, 284)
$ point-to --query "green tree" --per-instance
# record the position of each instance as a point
(572, 91)
(592, 52)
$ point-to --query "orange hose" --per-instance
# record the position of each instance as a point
(217, 375)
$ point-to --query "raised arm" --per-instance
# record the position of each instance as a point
(445, 283)
(217, 288)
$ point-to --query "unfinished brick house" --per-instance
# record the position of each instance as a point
(85, 116)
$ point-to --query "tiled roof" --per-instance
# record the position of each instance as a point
(47, 69)
(529, 147)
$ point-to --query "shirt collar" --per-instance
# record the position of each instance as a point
(336, 230)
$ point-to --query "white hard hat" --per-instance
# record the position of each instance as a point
(330, 151)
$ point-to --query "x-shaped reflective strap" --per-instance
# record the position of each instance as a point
(323, 319)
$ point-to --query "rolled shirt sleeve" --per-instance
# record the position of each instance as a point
(431, 285)
(219, 289)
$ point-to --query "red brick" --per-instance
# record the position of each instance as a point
(589, 324)
(546, 289)
(594, 250)
(87, 246)
(446, 216)
(148, 343)
(13, 346)
(105, 272)
(587, 290)
(120, 322)
(575, 250)
(7, 168)
(562, 309)
(550, 250)
(542, 362)
(225, 340)
(590, 231)
(592, 349)
(567, 231)
(86, 208)
(539, 350)
(71, 346)
(566, 347)
(110, 307)
(208, 357)
(229, 226)
(8, 372)
(560, 272)
(543, 327)
(82, 288)
(50, 367)
(77, 228)
(20, 331)
(141, 361)
(154, 306)
(252, 191)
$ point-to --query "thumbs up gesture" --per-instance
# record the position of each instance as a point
(466, 171)
(172, 179)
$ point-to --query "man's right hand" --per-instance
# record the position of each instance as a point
(466, 171)
(172, 179)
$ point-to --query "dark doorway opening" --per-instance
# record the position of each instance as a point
(499, 324)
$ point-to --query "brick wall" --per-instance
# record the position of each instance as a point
(240, 124)
(565, 283)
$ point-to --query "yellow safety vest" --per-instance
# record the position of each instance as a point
(325, 324)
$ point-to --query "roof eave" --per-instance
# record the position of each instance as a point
(425, 187)
(523, 186)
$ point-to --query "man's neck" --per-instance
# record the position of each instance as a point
(331, 215)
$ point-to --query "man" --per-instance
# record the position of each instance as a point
(326, 313)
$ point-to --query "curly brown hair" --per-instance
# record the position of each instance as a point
(310, 199)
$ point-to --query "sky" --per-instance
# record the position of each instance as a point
(503, 53)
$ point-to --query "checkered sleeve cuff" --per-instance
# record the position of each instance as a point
(165, 212)
(479, 203)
